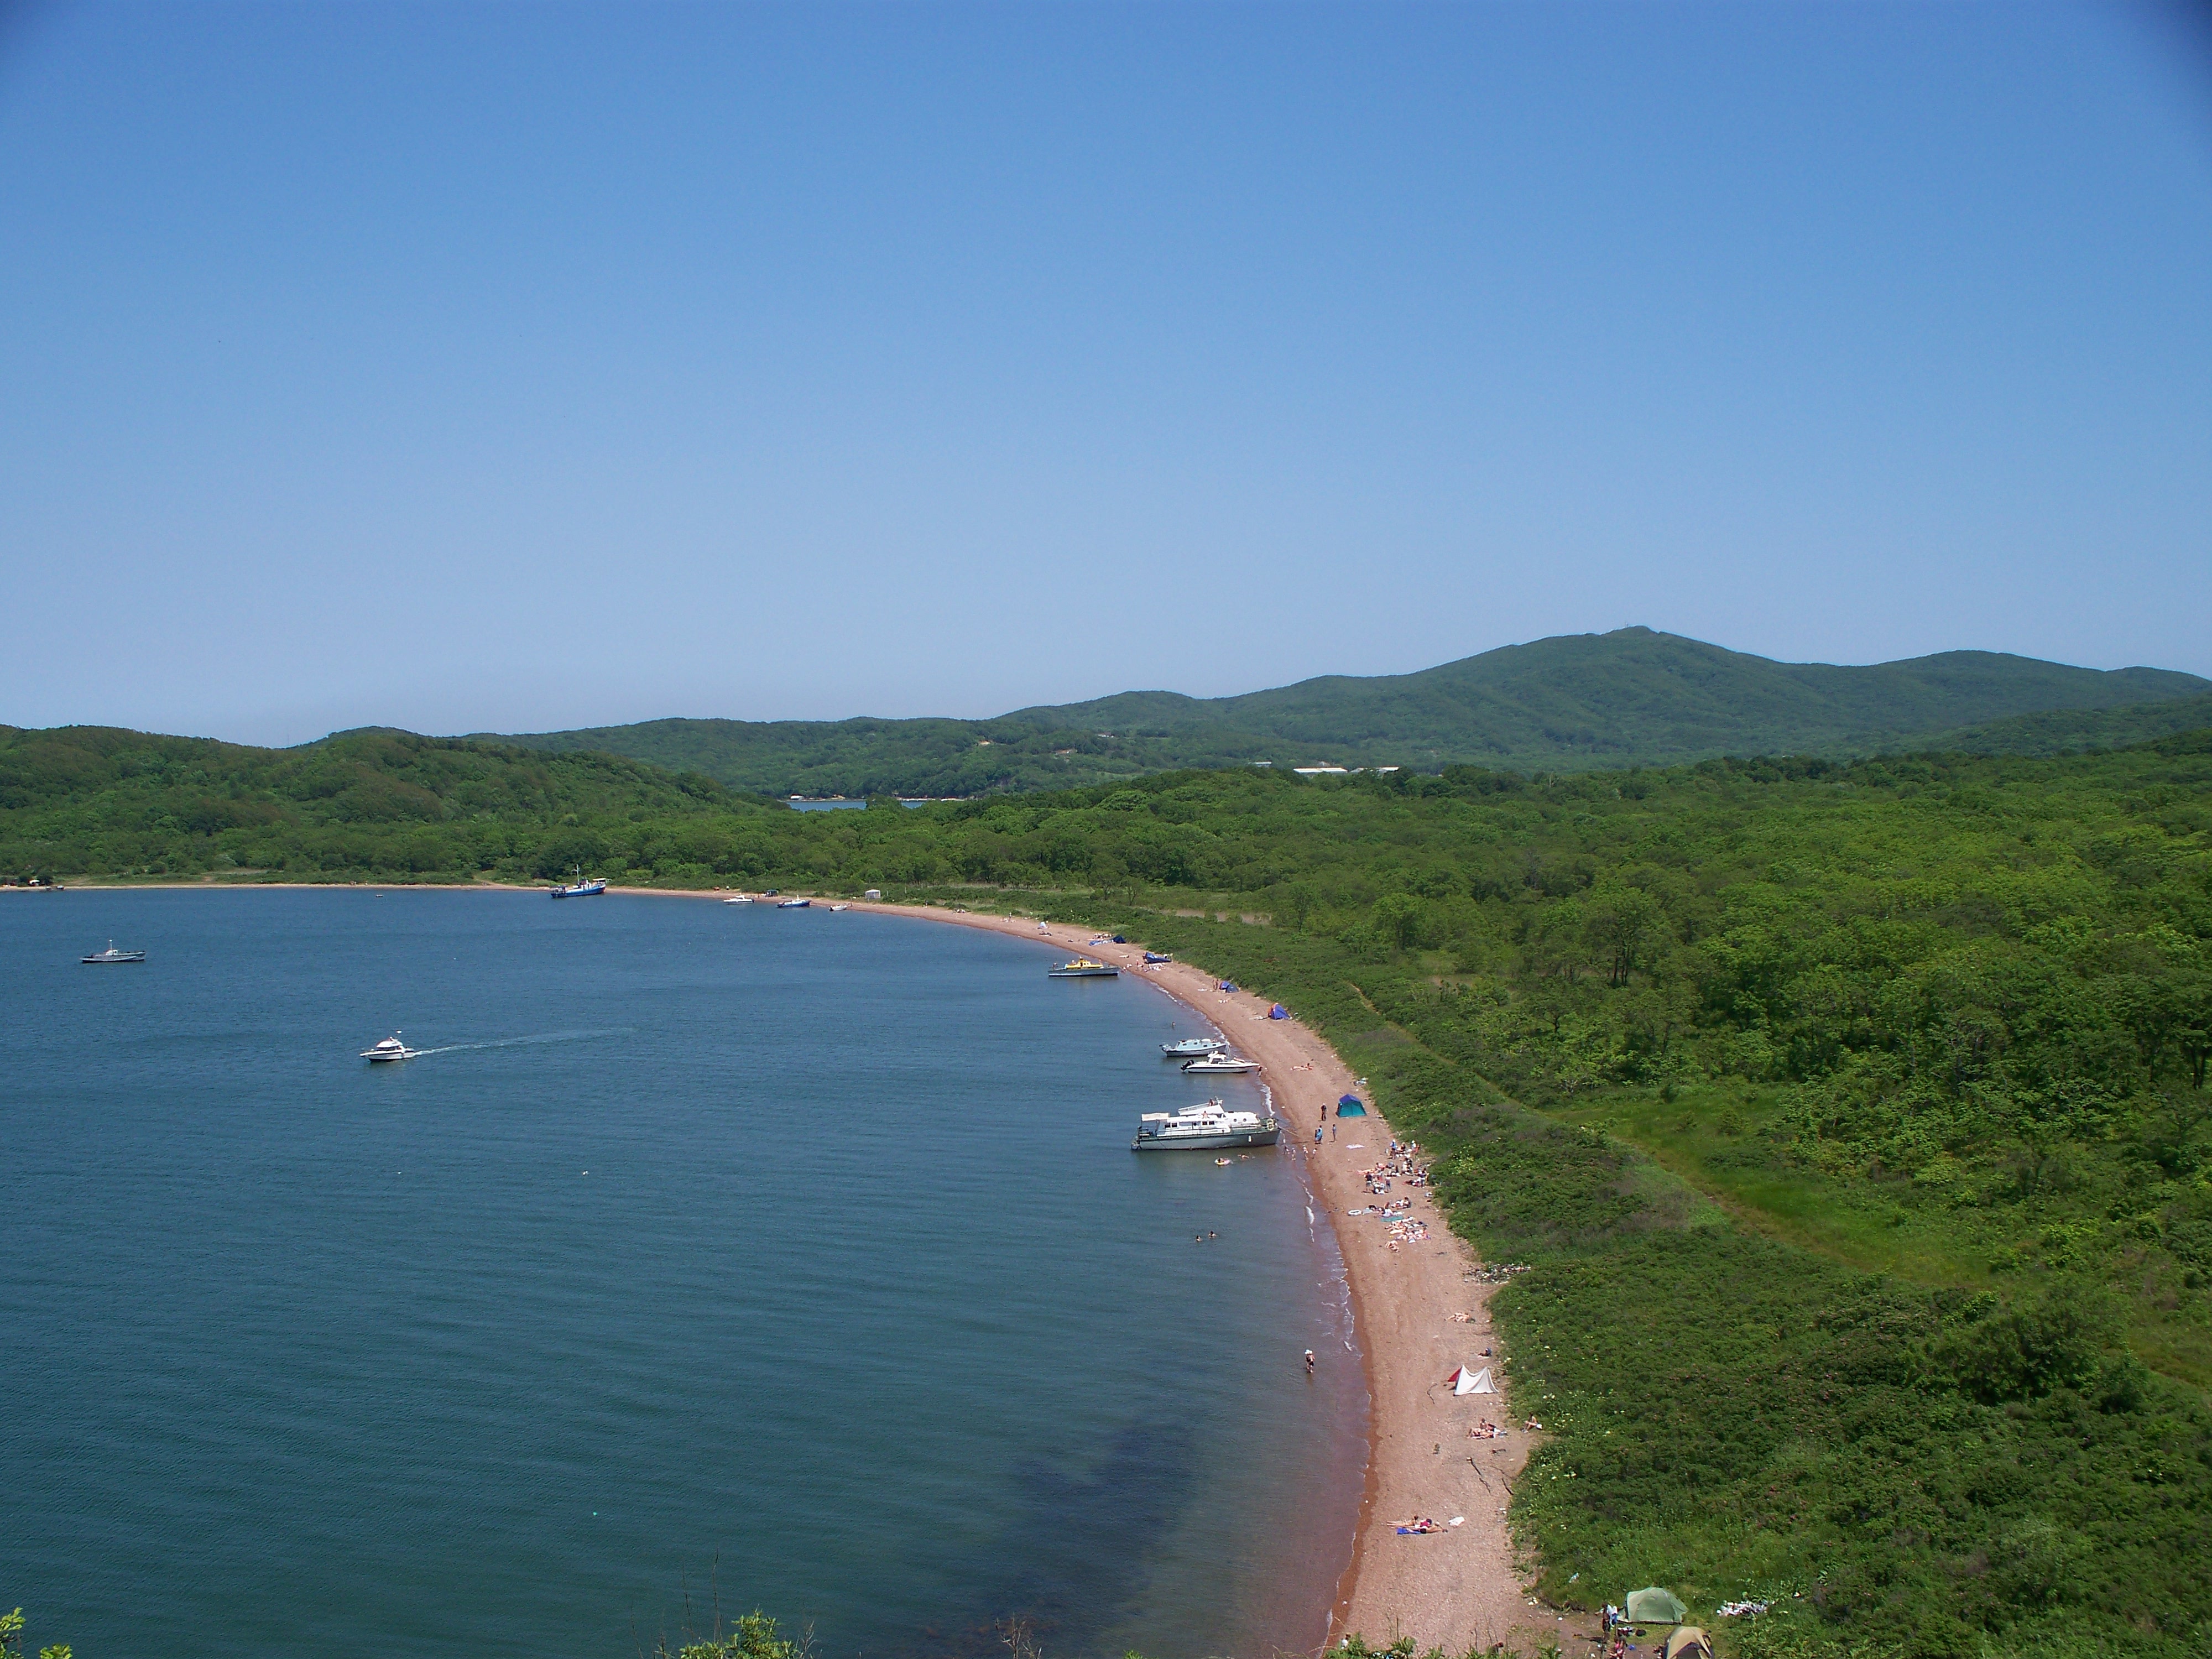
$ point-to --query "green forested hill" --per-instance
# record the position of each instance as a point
(98, 800)
(1570, 703)
(2072, 730)
(1850, 1118)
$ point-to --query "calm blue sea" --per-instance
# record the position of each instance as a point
(774, 1258)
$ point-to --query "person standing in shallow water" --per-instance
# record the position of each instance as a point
(1309, 1362)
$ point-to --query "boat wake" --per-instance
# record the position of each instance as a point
(521, 1041)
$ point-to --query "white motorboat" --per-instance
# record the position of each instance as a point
(111, 956)
(841, 906)
(1192, 1048)
(1220, 1061)
(742, 898)
(1206, 1128)
(389, 1049)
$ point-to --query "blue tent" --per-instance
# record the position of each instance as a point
(1279, 1013)
(1349, 1106)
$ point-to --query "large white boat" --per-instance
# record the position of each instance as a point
(111, 956)
(1221, 1061)
(391, 1048)
(1206, 1128)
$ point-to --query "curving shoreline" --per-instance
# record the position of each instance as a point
(1458, 1590)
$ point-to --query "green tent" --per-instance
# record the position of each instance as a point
(1654, 1606)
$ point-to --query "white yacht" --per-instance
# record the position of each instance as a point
(1222, 1062)
(1206, 1128)
(742, 898)
(391, 1048)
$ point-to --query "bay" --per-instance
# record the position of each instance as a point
(760, 1258)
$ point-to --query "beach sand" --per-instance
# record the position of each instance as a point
(1456, 1588)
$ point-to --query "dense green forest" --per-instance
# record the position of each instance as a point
(1850, 1116)
(1630, 697)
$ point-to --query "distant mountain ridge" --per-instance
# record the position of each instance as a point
(1573, 702)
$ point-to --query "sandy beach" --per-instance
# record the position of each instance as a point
(1456, 1588)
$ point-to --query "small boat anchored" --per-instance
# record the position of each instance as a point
(1206, 1128)
(581, 889)
(111, 956)
(1192, 1048)
(1082, 967)
(795, 904)
(391, 1048)
(1220, 1061)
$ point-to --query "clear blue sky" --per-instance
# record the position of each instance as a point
(516, 366)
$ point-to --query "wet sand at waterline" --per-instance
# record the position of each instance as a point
(1456, 1589)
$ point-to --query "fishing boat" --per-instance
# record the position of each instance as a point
(795, 904)
(1082, 967)
(1192, 1048)
(1222, 1061)
(581, 889)
(389, 1049)
(111, 955)
(1206, 1128)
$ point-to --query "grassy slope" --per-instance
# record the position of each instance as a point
(1629, 697)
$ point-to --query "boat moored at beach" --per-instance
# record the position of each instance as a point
(1221, 1060)
(1082, 967)
(1192, 1048)
(111, 956)
(795, 904)
(391, 1048)
(1206, 1128)
(581, 888)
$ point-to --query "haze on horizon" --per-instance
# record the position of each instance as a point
(516, 368)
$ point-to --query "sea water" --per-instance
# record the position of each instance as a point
(711, 1257)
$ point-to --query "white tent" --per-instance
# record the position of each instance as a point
(1464, 1381)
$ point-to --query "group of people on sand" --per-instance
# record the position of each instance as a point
(1422, 1523)
(1486, 1429)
